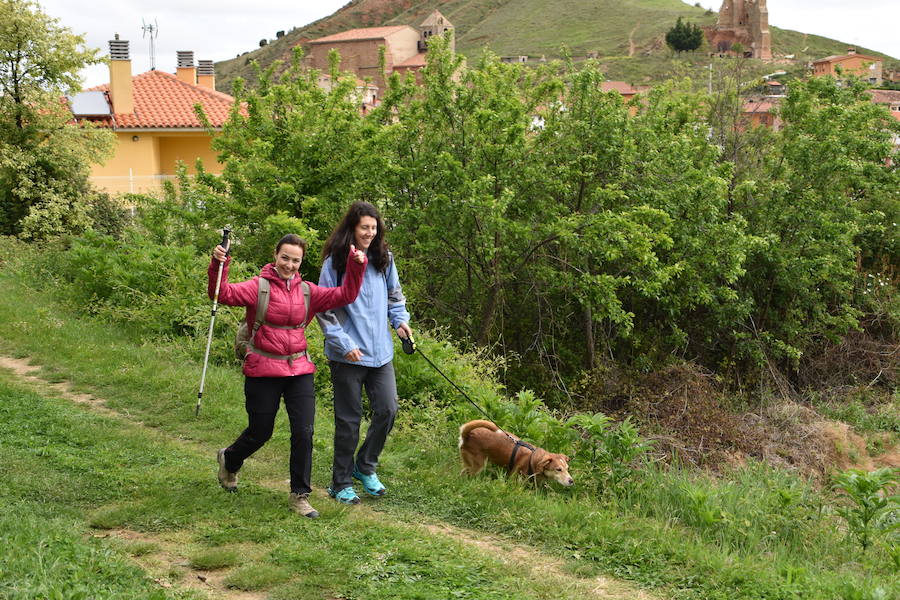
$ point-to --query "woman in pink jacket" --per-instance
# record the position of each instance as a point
(277, 364)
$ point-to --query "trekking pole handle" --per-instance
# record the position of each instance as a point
(224, 244)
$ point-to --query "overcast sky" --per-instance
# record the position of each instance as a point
(220, 29)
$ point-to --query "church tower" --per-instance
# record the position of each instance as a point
(435, 24)
(745, 22)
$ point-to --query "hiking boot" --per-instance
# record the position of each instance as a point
(227, 479)
(344, 496)
(370, 483)
(300, 505)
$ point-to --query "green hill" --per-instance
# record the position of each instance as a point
(626, 35)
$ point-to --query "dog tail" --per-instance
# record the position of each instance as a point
(468, 427)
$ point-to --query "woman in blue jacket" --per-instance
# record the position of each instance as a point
(360, 350)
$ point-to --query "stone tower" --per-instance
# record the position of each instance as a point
(745, 22)
(435, 24)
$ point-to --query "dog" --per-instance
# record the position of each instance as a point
(482, 440)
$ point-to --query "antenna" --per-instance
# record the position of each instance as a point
(151, 29)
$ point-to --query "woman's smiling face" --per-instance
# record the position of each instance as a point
(365, 232)
(287, 260)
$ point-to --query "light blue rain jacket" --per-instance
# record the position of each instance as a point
(364, 323)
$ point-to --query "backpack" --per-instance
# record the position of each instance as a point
(243, 339)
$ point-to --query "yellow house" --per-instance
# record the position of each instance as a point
(153, 117)
(867, 68)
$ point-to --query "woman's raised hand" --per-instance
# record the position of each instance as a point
(219, 252)
(358, 255)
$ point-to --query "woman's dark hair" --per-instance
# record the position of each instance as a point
(291, 239)
(338, 244)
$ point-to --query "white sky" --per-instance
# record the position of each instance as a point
(220, 29)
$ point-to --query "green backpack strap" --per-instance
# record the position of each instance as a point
(305, 287)
(262, 306)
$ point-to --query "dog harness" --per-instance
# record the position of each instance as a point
(512, 457)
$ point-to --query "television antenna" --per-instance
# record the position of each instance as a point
(151, 30)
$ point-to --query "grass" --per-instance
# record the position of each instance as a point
(756, 533)
(89, 470)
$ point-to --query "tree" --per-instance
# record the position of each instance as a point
(290, 148)
(44, 159)
(684, 36)
(824, 203)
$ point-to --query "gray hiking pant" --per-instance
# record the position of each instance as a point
(381, 388)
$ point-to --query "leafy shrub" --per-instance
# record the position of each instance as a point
(873, 508)
(612, 451)
(159, 289)
(108, 215)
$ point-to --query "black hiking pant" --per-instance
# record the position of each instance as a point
(263, 396)
(348, 381)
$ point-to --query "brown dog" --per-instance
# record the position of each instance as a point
(482, 440)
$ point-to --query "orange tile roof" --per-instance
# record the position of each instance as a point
(759, 106)
(841, 57)
(417, 60)
(622, 87)
(161, 100)
(366, 33)
(884, 96)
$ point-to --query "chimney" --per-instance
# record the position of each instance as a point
(121, 92)
(206, 74)
(186, 71)
(851, 50)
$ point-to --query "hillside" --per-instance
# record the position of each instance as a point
(627, 35)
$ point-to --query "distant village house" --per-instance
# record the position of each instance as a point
(867, 68)
(359, 49)
(153, 117)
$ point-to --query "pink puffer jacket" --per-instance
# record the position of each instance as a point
(285, 308)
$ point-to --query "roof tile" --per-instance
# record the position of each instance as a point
(161, 100)
(365, 33)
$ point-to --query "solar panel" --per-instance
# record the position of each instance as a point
(89, 104)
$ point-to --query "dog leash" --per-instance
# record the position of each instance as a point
(410, 347)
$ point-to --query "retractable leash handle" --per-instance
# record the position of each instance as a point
(212, 320)
(409, 344)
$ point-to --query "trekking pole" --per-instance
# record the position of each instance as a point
(410, 347)
(212, 320)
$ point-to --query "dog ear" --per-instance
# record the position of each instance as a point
(543, 462)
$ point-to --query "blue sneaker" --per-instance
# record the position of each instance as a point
(344, 496)
(370, 483)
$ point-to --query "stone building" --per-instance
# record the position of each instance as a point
(404, 49)
(744, 22)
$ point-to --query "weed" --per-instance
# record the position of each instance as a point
(612, 450)
(257, 576)
(873, 508)
(215, 558)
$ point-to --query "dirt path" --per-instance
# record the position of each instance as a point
(631, 47)
(165, 556)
